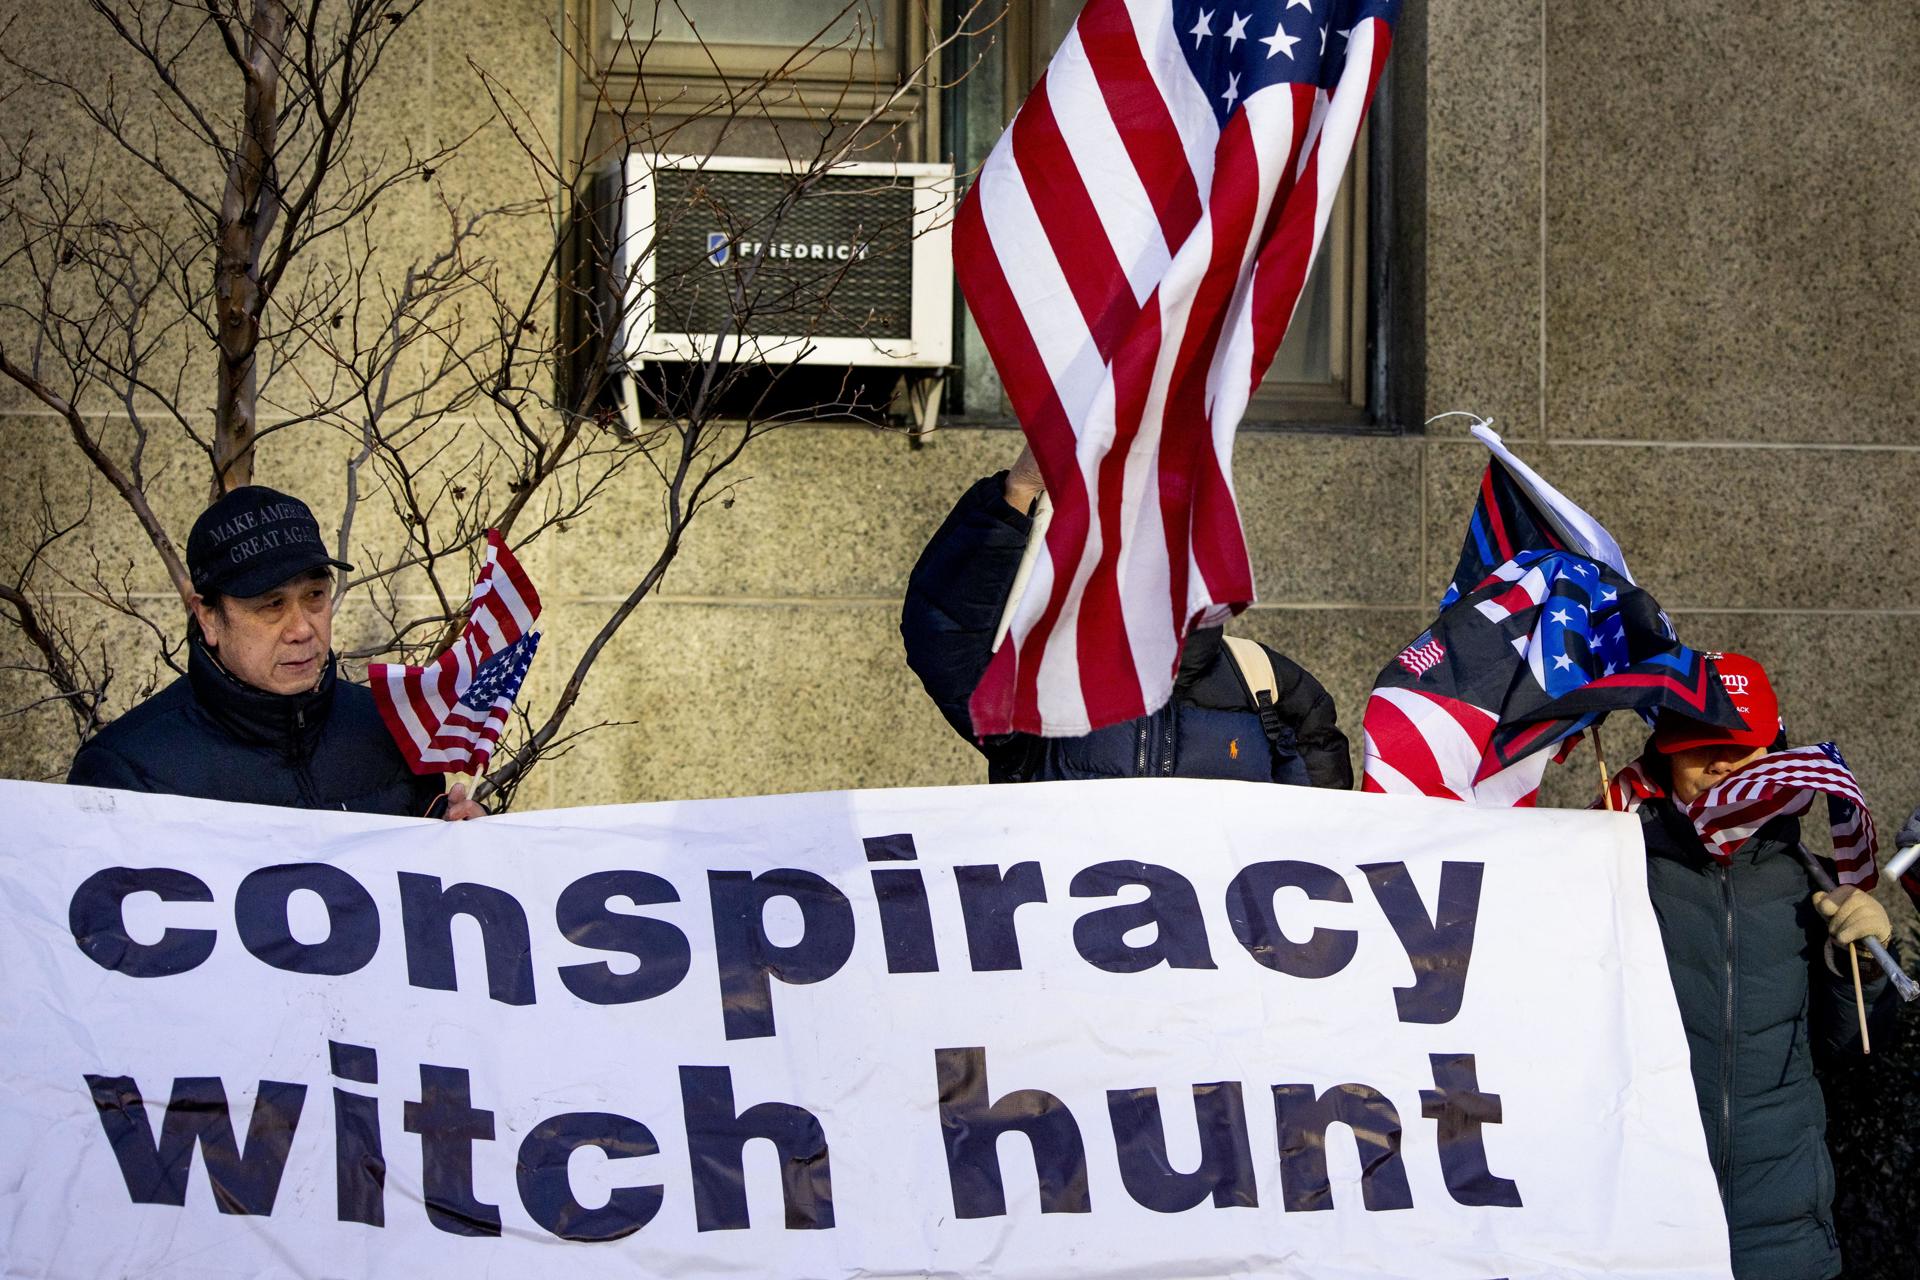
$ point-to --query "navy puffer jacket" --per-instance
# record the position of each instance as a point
(1745, 950)
(209, 736)
(1209, 729)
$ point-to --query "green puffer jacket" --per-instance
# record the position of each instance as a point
(1744, 945)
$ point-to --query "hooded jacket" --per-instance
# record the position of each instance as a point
(210, 736)
(1208, 729)
(1745, 950)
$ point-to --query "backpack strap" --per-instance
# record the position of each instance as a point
(1254, 666)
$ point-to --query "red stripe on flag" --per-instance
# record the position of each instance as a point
(1511, 751)
(1072, 223)
(1141, 118)
(381, 685)
(1287, 242)
(1399, 743)
(446, 673)
(1478, 725)
(1514, 599)
(417, 696)
(1497, 525)
(1188, 465)
(1756, 813)
(1109, 676)
(1007, 698)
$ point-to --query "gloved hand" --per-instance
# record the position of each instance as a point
(1852, 915)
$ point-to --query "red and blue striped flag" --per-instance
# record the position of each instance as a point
(447, 716)
(1133, 251)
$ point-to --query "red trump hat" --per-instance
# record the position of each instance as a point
(1746, 683)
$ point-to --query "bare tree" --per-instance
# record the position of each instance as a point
(461, 390)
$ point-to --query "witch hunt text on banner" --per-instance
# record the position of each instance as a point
(1151, 1028)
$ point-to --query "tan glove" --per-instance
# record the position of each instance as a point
(1853, 915)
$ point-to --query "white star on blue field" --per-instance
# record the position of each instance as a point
(1237, 49)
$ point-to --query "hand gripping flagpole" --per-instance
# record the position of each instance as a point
(1909, 990)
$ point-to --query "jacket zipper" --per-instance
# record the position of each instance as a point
(1140, 747)
(303, 771)
(1727, 1035)
(1166, 741)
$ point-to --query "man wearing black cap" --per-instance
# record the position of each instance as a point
(261, 716)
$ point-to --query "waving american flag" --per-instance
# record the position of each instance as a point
(1133, 251)
(447, 716)
(1778, 785)
(1786, 782)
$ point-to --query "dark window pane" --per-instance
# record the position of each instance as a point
(863, 24)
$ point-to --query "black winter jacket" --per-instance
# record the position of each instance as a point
(1744, 946)
(1208, 730)
(209, 736)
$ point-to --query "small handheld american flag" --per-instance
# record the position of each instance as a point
(1786, 782)
(1779, 784)
(447, 716)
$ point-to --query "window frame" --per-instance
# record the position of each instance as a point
(686, 78)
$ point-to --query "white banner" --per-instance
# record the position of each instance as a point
(1223, 1029)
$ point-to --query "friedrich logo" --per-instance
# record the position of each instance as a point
(720, 248)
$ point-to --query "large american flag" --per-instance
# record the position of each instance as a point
(447, 716)
(1133, 251)
(1779, 784)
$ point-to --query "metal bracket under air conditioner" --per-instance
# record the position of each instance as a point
(920, 391)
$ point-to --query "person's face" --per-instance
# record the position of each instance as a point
(276, 641)
(1697, 769)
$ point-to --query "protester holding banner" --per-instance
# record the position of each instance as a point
(1219, 724)
(1753, 970)
(262, 717)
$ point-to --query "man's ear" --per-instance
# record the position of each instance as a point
(208, 616)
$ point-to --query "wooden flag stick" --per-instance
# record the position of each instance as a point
(1859, 1000)
(1606, 782)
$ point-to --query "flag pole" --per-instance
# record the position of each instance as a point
(1606, 782)
(1036, 540)
(1859, 1000)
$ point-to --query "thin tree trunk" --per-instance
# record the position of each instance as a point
(247, 212)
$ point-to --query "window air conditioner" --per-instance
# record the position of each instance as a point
(855, 270)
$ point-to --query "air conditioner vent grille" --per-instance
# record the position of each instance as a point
(836, 263)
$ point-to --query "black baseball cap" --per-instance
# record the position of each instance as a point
(253, 539)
